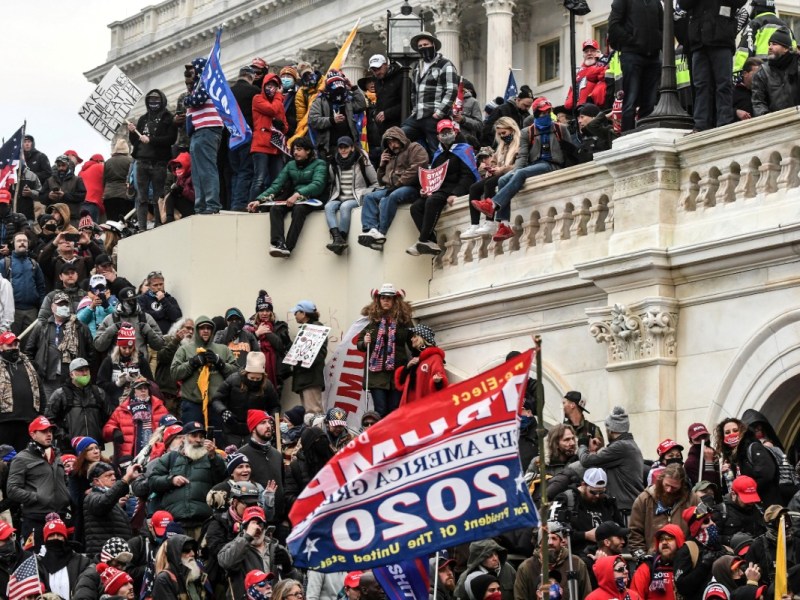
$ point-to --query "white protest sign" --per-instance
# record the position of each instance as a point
(110, 103)
(306, 345)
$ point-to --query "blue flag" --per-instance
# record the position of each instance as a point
(511, 87)
(221, 95)
(404, 580)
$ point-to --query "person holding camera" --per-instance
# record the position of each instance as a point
(104, 515)
(97, 304)
(136, 418)
(122, 366)
(63, 253)
(63, 186)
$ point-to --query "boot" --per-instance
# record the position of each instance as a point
(338, 244)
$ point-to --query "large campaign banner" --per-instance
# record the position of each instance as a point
(344, 377)
(438, 472)
(110, 103)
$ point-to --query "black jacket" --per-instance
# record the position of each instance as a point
(712, 23)
(164, 312)
(691, 579)
(38, 162)
(244, 93)
(266, 465)
(756, 461)
(39, 487)
(506, 109)
(459, 176)
(583, 517)
(160, 127)
(78, 411)
(74, 193)
(76, 564)
(313, 454)
(389, 97)
(170, 584)
(636, 26)
(9, 225)
(597, 136)
(731, 518)
(230, 396)
(103, 516)
(776, 88)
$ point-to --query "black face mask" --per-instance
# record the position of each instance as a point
(252, 385)
(674, 461)
(128, 307)
(11, 356)
(5, 209)
(427, 54)
(8, 553)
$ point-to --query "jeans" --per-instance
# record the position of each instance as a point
(512, 182)
(385, 401)
(344, 209)
(92, 209)
(276, 216)
(203, 148)
(380, 207)
(640, 78)
(485, 188)
(265, 169)
(713, 87)
(149, 172)
(241, 162)
(425, 213)
(425, 128)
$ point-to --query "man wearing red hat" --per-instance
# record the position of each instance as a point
(37, 480)
(654, 579)
(738, 511)
(11, 554)
(21, 392)
(258, 585)
(695, 558)
(265, 461)
(700, 438)
(60, 566)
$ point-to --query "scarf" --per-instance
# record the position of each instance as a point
(142, 423)
(271, 359)
(57, 557)
(382, 357)
(347, 163)
(544, 126)
(7, 393)
(202, 384)
(68, 344)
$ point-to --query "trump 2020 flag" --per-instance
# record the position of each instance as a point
(511, 87)
(404, 580)
(221, 95)
(436, 473)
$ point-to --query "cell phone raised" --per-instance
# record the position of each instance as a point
(72, 237)
(210, 433)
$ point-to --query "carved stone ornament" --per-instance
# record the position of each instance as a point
(647, 334)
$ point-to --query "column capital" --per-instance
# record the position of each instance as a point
(379, 27)
(446, 15)
(521, 23)
(499, 7)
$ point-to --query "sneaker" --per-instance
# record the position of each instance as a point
(503, 233)
(487, 228)
(412, 250)
(486, 206)
(366, 240)
(280, 250)
(471, 232)
(376, 235)
(428, 248)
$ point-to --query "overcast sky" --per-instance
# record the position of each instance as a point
(47, 46)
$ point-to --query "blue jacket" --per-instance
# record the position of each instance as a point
(27, 280)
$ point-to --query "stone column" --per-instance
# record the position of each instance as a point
(447, 22)
(499, 29)
(355, 64)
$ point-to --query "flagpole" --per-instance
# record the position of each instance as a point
(540, 430)
(436, 575)
(19, 166)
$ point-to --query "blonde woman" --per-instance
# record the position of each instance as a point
(492, 167)
(287, 589)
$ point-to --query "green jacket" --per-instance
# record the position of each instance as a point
(188, 502)
(384, 380)
(308, 181)
(313, 376)
(182, 369)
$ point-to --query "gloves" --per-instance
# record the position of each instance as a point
(198, 360)
(212, 360)
(118, 437)
(123, 379)
(227, 416)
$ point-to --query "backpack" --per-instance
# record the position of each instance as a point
(7, 267)
(568, 149)
(786, 477)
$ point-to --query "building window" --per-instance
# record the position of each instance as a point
(549, 60)
(599, 33)
(793, 21)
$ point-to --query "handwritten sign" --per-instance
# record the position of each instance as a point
(110, 103)
(307, 345)
(431, 179)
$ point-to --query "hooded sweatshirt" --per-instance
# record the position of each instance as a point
(478, 552)
(159, 125)
(607, 584)
(403, 167)
(171, 582)
(92, 175)
(266, 111)
(182, 167)
(653, 580)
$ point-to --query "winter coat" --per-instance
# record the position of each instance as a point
(122, 419)
(160, 127)
(712, 23)
(597, 136)
(230, 396)
(38, 163)
(384, 379)
(36, 485)
(472, 124)
(403, 168)
(531, 152)
(170, 584)
(278, 340)
(478, 552)
(76, 296)
(583, 517)
(78, 411)
(730, 519)
(166, 382)
(416, 381)
(756, 461)
(636, 26)
(622, 461)
(240, 343)
(112, 367)
(591, 85)
(606, 582)
(644, 522)
(76, 564)
(92, 316)
(74, 193)
(22, 396)
(265, 112)
(27, 281)
(92, 175)
(691, 576)
(266, 465)
(692, 466)
(148, 333)
(308, 180)
(364, 178)
(460, 174)
(325, 586)
(774, 88)
(314, 452)
(313, 376)
(51, 262)
(507, 109)
(529, 576)
(184, 185)
(643, 576)
(434, 90)
(115, 176)
(164, 312)
(238, 557)
(104, 518)
(389, 97)
(186, 503)
(320, 117)
(182, 369)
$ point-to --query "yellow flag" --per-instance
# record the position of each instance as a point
(781, 588)
(302, 125)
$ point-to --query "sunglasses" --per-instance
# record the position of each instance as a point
(152, 274)
(597, 492)
(620, 569)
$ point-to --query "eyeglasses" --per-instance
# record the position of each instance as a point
(295, 595)
(152, 274)
(264, 583)
(620, 569)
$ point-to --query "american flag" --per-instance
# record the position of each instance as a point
(511, 87)
(25, 580)
(9, 159)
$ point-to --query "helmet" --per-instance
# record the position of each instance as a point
(241, 490)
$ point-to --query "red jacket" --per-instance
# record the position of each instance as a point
(264, 111)
(417, 382)
(661, 584)
(92, 175)
(181, 165)
(591, 86)
(606, 581)
(122, 419)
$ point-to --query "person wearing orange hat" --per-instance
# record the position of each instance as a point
(36, 480)
(739, 511)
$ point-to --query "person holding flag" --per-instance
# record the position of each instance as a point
(467, 112)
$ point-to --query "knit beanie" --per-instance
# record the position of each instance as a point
(254, 417)
(295, 415)
(479, 584)
(82, 443)
(234, 460)
(617, 421)
(263, 302)
(126, 336)
(290, 71)
(116, 549)
(782, 36)
(53, 525)
(85, 221)
(111, 578)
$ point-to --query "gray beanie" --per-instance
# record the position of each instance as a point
(617, 421)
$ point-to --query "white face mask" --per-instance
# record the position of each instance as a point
(284, 427)
(62, 311)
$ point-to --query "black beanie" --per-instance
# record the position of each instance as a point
(263, 302)
(295, 415)
(782, 36)
(478, 585)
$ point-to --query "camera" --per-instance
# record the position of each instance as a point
(72, 237)
(133, 372)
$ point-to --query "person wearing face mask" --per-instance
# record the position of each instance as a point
(236, 337)
(60, 566)
(289, 78)
(148, 333)
(612, 580)
(11, 554)
(268, 115)
(63, 186)
(763, 549)
(695, 559)
(292, 426)
(739, 511)
(487, 557)
(306, 92)
(53, 344)
(661, 503)
(669, 451)
(542, 150)
(21, 390)
(742, 454)
(460, 172)
(529, 574)
(247, 389)
(333, 113)
(590, 78)
(434, 90)
(79, 407)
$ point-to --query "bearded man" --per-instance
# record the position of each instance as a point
(183, 577)
(653, 579)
